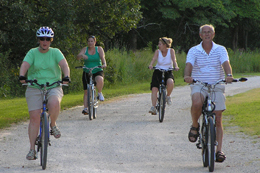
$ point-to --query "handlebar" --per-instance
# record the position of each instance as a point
(88, 67)
(32, 82)
(220, 81)
(163, 70)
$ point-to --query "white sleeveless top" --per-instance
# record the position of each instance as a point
(164, 62)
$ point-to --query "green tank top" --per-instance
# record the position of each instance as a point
(92, 61)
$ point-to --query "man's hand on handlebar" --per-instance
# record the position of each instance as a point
(188, 79)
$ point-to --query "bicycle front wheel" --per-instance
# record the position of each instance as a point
(90, 105)
(44, 140)
(211, 144)
(204, 141)
(95, 102)
(162, 101)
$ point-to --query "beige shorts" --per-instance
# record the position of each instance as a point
(218, 97)
(34, 96)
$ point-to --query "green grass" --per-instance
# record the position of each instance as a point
(243, 111)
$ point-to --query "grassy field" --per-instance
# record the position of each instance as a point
(243, 111)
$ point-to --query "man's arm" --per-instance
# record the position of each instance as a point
(228, 70)
(187, 73)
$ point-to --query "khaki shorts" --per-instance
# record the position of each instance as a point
(34, 96)
(218, 97)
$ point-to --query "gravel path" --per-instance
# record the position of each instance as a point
(126, 138)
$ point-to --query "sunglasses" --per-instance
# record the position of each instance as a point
(45, 38)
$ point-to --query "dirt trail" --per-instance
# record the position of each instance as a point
(126, 138)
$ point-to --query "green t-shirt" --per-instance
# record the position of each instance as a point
(44, 66)
(93, 61)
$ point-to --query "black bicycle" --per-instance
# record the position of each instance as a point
(43, 139)
(207, 137)
(92, 95)
(161, 99)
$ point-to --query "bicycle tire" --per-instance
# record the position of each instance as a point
(211, 144)
(204, 142)
(95, 104)
(44, 140)
(162, 101)
(90, 109)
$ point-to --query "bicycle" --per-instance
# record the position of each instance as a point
(92, 95)
(43, 139)
(161, 100)
(207, 138)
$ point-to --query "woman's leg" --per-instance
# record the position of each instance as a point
(34, 125)
(170, 85)
(100, 83)
(154, 95)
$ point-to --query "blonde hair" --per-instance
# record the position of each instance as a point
(167, 41)
(209, 25)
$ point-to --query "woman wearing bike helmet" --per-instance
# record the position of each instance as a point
(43, 63)
(166, 59)
(93, 56)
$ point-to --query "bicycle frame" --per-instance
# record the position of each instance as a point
(92, 97)
(207, 137)
(161, 100)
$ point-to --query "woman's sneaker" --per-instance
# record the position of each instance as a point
(55, 132)
(101, 97)
(85, 111)
(168, 100)
(153, 110)
(31, 155)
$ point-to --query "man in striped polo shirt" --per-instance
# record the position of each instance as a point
(207, 62)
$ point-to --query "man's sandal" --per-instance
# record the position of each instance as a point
(220, 156)
(193, 135)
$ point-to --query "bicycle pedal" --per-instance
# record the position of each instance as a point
(198, 146)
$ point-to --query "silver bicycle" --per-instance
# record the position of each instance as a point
(92, 95)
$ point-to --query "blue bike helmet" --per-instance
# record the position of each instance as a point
(45, 31)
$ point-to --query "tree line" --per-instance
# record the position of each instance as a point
(127, 24)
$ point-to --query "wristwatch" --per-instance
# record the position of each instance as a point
(229, 75)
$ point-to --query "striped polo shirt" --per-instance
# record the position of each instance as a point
(207, 67)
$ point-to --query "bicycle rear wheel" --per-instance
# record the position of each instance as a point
(211, 144)
(90, 105)
(44, 140)
(162, 101)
